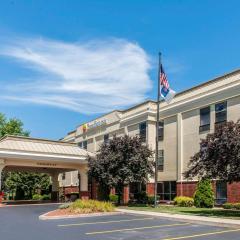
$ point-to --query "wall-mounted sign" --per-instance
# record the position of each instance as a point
(95, 124)
(47, 164)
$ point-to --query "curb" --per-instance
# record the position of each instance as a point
(219, 222)
(45, 217)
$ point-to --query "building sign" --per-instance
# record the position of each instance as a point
(95, 124)
(47, 164)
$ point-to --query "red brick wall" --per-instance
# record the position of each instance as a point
(150, 189)
(84, 194)
(186, 189)
(233, 192)
(70, 189)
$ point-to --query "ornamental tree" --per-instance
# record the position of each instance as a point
(219, 155)
(120, 161)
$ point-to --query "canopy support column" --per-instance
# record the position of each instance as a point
(55, 187)
(84, 193)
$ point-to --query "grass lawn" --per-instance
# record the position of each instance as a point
(216, 212)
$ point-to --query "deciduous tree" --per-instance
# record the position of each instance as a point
(120, 161)
(219, 155)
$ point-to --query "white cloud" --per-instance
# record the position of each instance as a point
(93, 77)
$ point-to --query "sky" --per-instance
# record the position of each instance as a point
(63, 63)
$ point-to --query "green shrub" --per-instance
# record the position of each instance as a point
(237, 206)
(228, 205)
(91, 206)
(182, 201)
(204, 195)
(151, 199)
(46, 197)
(141, 197)
(113, 198)
(64, 206)
(37, 197)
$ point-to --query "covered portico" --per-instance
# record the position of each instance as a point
(19, 153)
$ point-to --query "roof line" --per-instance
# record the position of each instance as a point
(177, 94)
(35, 139)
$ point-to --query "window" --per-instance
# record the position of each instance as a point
(143, 131)
(166, 190)
(63, 176)
(80, 144)
(106, 138)
(221, 112)
(204, 119)
(84, 144)
(221, 192)
(160, 160)
(160, 131)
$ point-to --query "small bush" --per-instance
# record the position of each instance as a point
(151, 199)
(91, 206)
(204, 195)
(37, 197)
(141, 197)
(64, 206)
(46, 197)
(237, 206)
(113, 198)
(228, 206)
(182, 201)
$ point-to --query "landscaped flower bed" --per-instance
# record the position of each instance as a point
(83, 207)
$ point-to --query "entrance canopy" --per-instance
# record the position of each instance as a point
(41, 155)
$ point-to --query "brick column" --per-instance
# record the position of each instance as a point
(150, 189)
(125, 195)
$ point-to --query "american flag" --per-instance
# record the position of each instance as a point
(163, 78)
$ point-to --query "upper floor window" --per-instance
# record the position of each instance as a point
(143, 131)
(106, 138)
(221, 112)
(160, 131)
(160, 160)
(63, 176)
(204, 119)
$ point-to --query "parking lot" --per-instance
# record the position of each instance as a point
(22, 222)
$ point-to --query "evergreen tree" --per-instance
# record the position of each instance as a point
(204, 195)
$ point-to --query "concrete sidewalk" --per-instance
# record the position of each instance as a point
(222, 222)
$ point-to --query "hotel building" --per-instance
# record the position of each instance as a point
(190, 116)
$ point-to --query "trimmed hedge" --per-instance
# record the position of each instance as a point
(235, 206)
(113, 198)
(41, 197)
(182, 201)
(37, 197)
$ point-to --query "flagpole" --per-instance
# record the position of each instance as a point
(157, 127)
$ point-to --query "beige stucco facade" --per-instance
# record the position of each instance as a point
(181, 123)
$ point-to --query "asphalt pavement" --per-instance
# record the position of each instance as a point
(22, 223)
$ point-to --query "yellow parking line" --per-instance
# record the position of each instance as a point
(116, 221)
(203, 234)
(138, 228)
